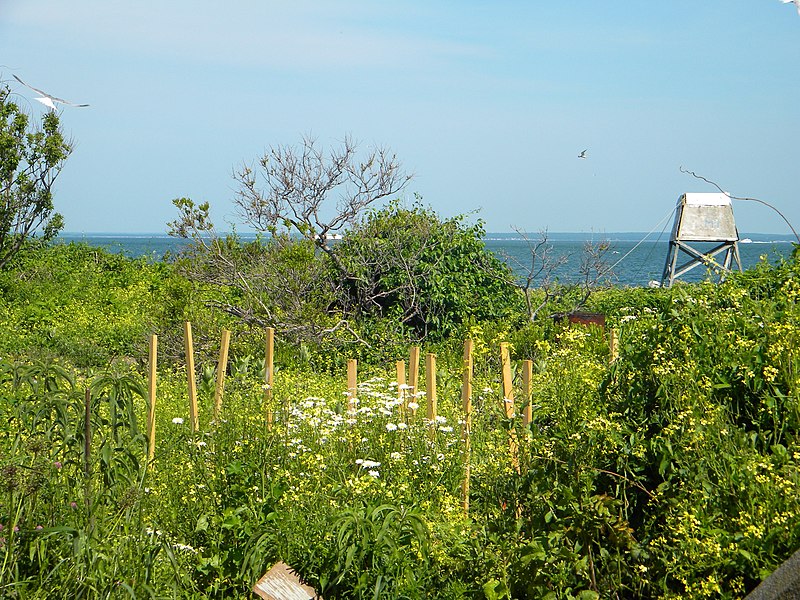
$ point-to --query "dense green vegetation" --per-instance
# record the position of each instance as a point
(670, 472)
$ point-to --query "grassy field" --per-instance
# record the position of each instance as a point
(668, 470)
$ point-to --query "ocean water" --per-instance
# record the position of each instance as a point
(633, 259)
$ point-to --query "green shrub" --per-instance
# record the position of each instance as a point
(429, 276)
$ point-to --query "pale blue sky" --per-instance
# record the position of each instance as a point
(487, 103)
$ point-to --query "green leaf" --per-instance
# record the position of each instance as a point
(496, 590)
(746, 554)
(202, 524)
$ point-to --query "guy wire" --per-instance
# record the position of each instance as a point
(662, 223)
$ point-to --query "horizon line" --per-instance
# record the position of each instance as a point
(537, 234)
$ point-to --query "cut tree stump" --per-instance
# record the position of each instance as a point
(281, 583)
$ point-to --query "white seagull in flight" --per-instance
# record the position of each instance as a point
(583, 154)
(795, 2)
(50, 101)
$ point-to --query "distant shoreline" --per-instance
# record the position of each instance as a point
(635, 258)
(560, 236)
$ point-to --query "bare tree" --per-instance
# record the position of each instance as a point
(594, 271)
(539, 271)
(278, 282)
(306, 191)
(289, 191)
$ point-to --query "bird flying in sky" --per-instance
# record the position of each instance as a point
(48, 100)
(795, 2)
(583, 154)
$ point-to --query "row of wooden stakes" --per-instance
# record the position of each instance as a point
(406, 386)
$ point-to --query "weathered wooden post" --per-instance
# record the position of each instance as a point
(190, 376)
(466, 399)
(269, 365)
(430, 390)
(222, 367)
(151, 395)
(352, 383)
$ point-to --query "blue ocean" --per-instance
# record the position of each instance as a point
(634, 259)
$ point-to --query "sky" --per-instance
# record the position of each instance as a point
(487, 104)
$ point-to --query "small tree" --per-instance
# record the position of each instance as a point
(303, 190)
(275, 281)
(539, 274)
(540, 270)
(30, 161)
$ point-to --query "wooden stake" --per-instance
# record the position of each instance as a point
(413, 370)
(508, 389)
(269, 366)
(527, 377)
(466, 399)
(401, 384)
(352, 383)
(222, 367)
(508, 402)
(190, 376)
(151, 394)
(613, 345)
(430, 389)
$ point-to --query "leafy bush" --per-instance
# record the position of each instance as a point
(428, 275)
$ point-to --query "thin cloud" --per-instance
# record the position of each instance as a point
(307, 35)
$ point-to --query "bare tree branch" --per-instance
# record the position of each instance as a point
(308, 192)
